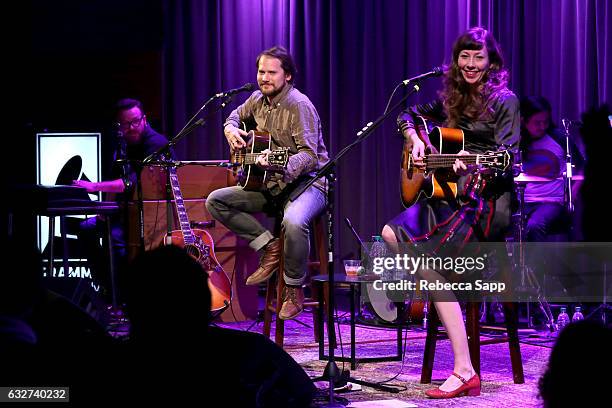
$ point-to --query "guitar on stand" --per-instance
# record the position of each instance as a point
(199, 244)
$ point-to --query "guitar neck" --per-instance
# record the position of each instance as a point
(438, 161)
(246, 158)
(188, 237)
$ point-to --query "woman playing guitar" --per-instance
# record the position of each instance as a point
(476, 101)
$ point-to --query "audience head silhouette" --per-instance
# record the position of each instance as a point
(167, 295)
(576, 371)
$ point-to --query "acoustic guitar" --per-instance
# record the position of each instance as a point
(200, 246)
(250, 176)
(437, 179)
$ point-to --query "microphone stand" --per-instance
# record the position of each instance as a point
(331, 372)
(189, 127)
(568, 166)
(362, 246)
(364, 249)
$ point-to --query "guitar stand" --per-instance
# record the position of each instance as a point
(217, 313)
(258, 319)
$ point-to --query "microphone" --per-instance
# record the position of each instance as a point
(435, 72)
(244, 88)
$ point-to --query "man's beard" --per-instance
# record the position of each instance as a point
(271, 94)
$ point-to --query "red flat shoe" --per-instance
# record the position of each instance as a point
(470, 388)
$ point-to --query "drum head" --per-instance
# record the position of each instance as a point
(382, 307)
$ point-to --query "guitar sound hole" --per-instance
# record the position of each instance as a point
(193, 251)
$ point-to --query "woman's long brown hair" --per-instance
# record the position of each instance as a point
(460, 98)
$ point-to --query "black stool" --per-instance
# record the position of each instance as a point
(473, 334)
(97, 208)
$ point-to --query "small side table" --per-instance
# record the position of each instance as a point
(354, 282)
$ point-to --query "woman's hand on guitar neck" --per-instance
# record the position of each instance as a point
(234, 137)
(418, 150)
(459, 166)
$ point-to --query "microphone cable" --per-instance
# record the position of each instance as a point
(391, 97)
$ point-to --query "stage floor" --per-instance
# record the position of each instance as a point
(498, 389)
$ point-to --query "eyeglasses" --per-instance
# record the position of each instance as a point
(129, 125)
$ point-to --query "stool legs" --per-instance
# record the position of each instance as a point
(279, 333)
(320, 241)
(472, 323)
(277, 284)
(511, 317)
(473, 334)
(51, 243)
(111, 260)
(270, 287)
(65, 244)
(430, 344)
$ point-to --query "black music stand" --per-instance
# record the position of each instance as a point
(332, 372)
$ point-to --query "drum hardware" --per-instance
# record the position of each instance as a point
(529, 283)
(568, 174)
(604, 307)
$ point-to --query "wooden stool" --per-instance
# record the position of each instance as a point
(473, 334)
(274, 303)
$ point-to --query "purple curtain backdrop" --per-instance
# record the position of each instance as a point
(351, 54)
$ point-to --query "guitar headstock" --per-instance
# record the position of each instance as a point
(498, 160)
(279, 157)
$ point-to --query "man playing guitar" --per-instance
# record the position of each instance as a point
(291, 121)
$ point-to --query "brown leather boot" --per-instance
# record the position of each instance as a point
(293, 302)
(268, 263)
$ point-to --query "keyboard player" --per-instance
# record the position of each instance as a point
(136, 140)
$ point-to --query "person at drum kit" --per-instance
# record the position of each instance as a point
(545, 194)
(543, 159)
(475, 99)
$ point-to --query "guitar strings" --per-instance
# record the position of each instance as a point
(448, 160)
